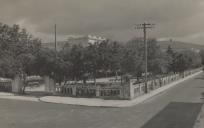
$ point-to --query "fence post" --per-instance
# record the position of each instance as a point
(131, 89)
(97, 91)
(74, 90)
(17, 84)
(49, 84)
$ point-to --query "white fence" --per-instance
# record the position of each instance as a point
(5, 85)
(89, 91)
(138, 89)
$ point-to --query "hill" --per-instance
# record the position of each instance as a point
(176, 45)
(179, 46)
(51, 45)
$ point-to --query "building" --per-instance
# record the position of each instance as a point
(85, 40)
(95, 39)
(75, 40)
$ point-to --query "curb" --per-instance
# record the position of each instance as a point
(11, 96)
(22, 98)
(6, 94)
(94, 102)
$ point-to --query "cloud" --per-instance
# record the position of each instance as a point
(111, 18)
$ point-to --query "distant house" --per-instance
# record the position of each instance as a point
(85, 40)
(75, 40)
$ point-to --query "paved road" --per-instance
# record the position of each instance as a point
(22, 114)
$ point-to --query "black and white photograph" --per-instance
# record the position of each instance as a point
(101, 64)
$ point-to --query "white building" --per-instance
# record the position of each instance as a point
(85, 40)
(95, 39)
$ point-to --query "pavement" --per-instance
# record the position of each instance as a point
(95, 102)
(26, 114)
(4, 95)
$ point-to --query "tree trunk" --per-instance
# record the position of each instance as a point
(95, 81)
(121, 80)
(84, 80)
(116, 75)
(23, 89)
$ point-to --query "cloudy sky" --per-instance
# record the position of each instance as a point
(178, 19)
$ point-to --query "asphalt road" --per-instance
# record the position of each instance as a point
(25, 114)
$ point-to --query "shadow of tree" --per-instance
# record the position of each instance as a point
(200, 77)
(175, 115)
(202, 95)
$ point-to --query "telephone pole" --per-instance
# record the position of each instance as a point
(145, 26)
(55, 38)
(55, 27)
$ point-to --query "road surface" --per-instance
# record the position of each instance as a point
(25, 114)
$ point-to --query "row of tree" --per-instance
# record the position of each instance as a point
(20, 53)
(18, 50)
(110, 58)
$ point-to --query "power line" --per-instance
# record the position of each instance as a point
(145, 26)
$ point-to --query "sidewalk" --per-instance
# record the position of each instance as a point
(5, 95)
(111, 103)
(23, 98)
(94, 101)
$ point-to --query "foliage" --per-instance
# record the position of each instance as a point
(183, 60)
(20, 53)
(18, 50)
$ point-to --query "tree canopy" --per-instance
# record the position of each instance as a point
(18, 50)
(21, 53)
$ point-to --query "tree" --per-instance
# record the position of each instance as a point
(116, 52)
(186, 60)
(91, 61)
(78, 64)
(157, 62)
(170, 57)
(18, 49)
(17, 44)
(104, 52)
(133, 61)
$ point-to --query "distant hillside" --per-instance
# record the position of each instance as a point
(51, 45)
(60, 44)
(178, 46)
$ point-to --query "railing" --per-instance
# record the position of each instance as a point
(89, 91)
(139, 88)
(116, 90)
(5, 85)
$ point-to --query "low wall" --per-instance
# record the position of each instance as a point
(129, 90)
(138, 89)
(49, 84)
(6, 86)
(89, 91)
(15, 85)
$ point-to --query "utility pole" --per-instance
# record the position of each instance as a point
(145, 26)
(55, 38)
(55, 56)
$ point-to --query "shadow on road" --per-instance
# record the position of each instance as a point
(201, 77)
(202, 96)
(176, 115)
